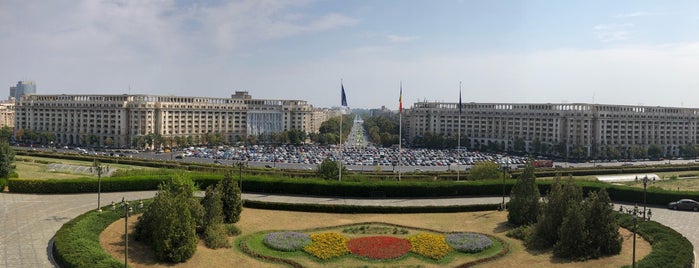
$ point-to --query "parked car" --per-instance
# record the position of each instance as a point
(685, 204)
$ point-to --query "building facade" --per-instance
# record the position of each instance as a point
(22, 88)
(580, 130)
(124, 120)
(7, 114)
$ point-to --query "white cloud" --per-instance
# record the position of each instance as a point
(634, 14)
(613, 32)
(399, 38)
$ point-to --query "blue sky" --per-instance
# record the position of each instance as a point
(613, 52)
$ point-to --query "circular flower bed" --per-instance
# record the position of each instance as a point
(469, 242)
(379, 247)
(286, 241)
(327, 245)
(429, 245)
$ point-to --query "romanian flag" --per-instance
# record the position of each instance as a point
(400, 99)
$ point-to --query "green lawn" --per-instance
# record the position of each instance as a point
(29, 167)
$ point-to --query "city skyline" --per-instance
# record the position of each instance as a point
(644, 53)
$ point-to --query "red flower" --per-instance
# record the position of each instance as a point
(379, 247)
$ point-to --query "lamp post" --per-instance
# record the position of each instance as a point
(128, 209)
(645, 181)
(240, 176)
(98, 167)
(505, 169)
(635, 213)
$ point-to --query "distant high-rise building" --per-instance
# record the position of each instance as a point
(22, 88)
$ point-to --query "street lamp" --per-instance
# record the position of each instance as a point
(98, 167)
(240, 176)
(645, 180)
(505, 168)
(635, 214)
(128, 209)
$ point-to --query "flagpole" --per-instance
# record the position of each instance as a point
(342, 96)
(400, 129)
(458, 146)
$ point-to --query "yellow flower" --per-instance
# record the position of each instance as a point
(327, 245)
(429, 245)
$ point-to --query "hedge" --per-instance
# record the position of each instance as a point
(77, 244)
(670, 248)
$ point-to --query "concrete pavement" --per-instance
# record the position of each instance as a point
(29, 221)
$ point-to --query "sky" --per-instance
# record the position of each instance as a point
(609, 52)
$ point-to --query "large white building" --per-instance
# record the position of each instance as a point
(588, 130)
(119, 120)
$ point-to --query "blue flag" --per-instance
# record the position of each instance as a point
(344, 98)
(459, 101)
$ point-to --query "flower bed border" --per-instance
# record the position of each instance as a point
(242, 244)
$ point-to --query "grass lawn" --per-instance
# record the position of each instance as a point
(29, 167)
(257, 220)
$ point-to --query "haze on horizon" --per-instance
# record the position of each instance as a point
(612, 52)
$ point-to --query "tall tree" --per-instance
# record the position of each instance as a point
(573, 243)
(231, 197)
(602, 227)
(7, 160)
(524, 198)
(169, 223)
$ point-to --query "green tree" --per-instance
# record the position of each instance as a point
(573, 243)
(553, 210)
(602, 228)
(232, 200)
(7, 160)
(485, 170)
(655, 151)
(524, 198)
(215, 235)
(5, 133)
(213, 206)
(169, 223)
(519, 145)
(329, 169)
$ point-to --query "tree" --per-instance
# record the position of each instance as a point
(524, 198)
(655, 151)
(328, 169)
(485, 170)
(213, 206)
(169, 223)
(5, 133)
(108, 142)
(7, 160)
(553, 211)
(573, 241)
(231, 199)
(602, 227)
(519, 145)
(215, 235)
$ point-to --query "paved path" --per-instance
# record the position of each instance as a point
(29, 221)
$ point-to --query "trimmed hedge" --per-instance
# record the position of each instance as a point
(368, 189)
(345, 209)
(670, 248)
(77, 244)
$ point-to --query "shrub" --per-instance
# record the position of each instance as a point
(469, 242)
(286, 241)
(524, 199)
(327, 245)
(216, 236)
(429, 245)
(232, 229)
